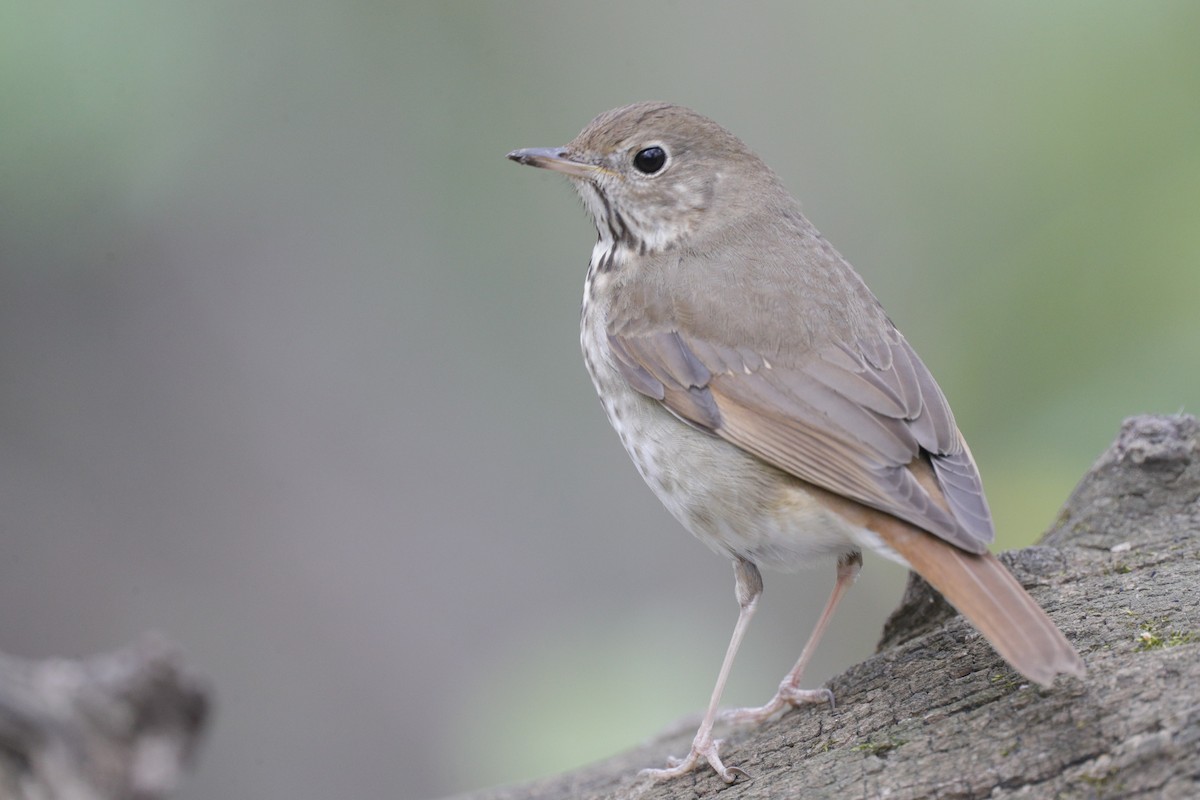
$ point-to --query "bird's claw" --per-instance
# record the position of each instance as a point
(701, 751)
(788, 696)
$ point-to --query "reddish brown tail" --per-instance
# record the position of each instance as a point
(989, 596)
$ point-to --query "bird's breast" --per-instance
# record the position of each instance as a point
(732, 501)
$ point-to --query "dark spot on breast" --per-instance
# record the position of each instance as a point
(700, 518)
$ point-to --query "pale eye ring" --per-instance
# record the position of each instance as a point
(650, 160)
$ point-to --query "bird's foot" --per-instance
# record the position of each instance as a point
(704, 748)
(787, 697)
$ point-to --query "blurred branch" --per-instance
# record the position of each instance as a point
(936, 713)
(115, 727)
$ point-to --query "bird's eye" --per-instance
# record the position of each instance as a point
(650, 160)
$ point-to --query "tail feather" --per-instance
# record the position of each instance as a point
(989, 596)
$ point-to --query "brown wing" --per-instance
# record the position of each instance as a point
(866, 421)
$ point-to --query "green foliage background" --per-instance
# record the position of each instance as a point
(288, 366)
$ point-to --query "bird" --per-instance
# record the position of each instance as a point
(766, 397)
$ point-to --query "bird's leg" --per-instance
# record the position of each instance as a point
(790, 694)
(748, 586)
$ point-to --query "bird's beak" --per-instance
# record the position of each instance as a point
(555, 158)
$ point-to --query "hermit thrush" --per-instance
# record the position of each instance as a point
(765, 396)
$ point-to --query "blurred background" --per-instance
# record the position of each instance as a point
(289, 363)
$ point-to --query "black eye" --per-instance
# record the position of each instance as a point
(650, 160)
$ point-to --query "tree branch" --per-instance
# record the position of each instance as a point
(115, 727)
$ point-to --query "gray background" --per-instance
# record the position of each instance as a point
(288, 351)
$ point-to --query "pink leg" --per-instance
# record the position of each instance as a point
(790, 694)
(704, 746)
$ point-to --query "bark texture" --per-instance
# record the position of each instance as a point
(936, 713)
(115, 727)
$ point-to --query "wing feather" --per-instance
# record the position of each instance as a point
(864, 420)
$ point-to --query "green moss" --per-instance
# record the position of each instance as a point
(1006, 680)
(1102, 781)
(1153, 635)
(878, 748)
(1176, 638)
